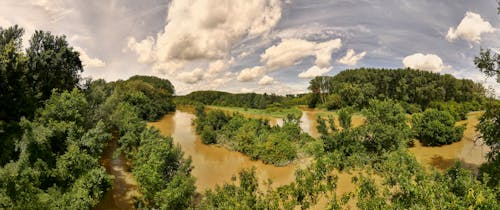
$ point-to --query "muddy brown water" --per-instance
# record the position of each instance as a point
(215, 165)
(469, 151)
(124, 186)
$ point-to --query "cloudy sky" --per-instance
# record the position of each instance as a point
(273, 46)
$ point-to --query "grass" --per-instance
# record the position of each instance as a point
(269, 112)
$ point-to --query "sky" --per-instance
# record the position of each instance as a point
(272, 46)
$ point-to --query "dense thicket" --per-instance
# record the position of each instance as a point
(27, 78)
(254, 137)
(356, 87)
(247, 100)
(58, 163)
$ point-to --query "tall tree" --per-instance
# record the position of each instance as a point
(52, 63)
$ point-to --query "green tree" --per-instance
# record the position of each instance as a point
(434, 128)
(52, 63)
(488, 62)
(345, 117)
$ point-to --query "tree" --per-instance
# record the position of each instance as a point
(52, 64)
(434, 128)
(489, 125)
(345, 116)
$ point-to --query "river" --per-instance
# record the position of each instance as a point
(215, 165)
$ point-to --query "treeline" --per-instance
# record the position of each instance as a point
(245, 100)
(410, 87)
(54, 127)
(256, 138)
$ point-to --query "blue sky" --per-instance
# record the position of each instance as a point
(272, 46)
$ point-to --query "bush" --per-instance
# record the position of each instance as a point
(434, 127)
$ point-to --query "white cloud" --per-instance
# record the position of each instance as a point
(266, 80)
(250, 74)
(324, 50)
(470, 28)
(191, 77)
(351, 58)
(314, 71)
(143, 49)
(427, 62)
(290, 51)
(87, 61)
(246, 90)
(205, 30)
(219, 66)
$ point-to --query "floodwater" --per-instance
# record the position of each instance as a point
(469, 151)
(124, 187)
(216, 165)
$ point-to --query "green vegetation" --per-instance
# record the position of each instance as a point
(434, 128)
(488, 62)
(57, 166)
(391, 178)
(303, 193)
(53, 131)
(27, 79)
(54, 128)
(357, 87)
(243, 100)
(157, 164)
(268, 112)
(253, 137)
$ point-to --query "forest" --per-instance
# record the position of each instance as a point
(55, 125)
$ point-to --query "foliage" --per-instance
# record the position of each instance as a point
(303, 193)
(245, 100)
(357, 87)
(58, 160)
(163, 174)
(457, 110)
(407, 185)
(433, 128)
(345, 117)
(488, 62)
(254, 137)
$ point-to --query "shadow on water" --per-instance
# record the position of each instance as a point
(444, 163)
(124, 187)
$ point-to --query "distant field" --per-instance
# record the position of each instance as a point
(269, 112)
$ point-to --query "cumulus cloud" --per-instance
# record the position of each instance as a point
(143, 49)
(426, 62)
(219, 66)
(191, 77)
(87, 61)
(250, 74)
(470, 28)
(314, 71)
(351, 58)
(205, 30)
(266, 80)
(289, 51)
